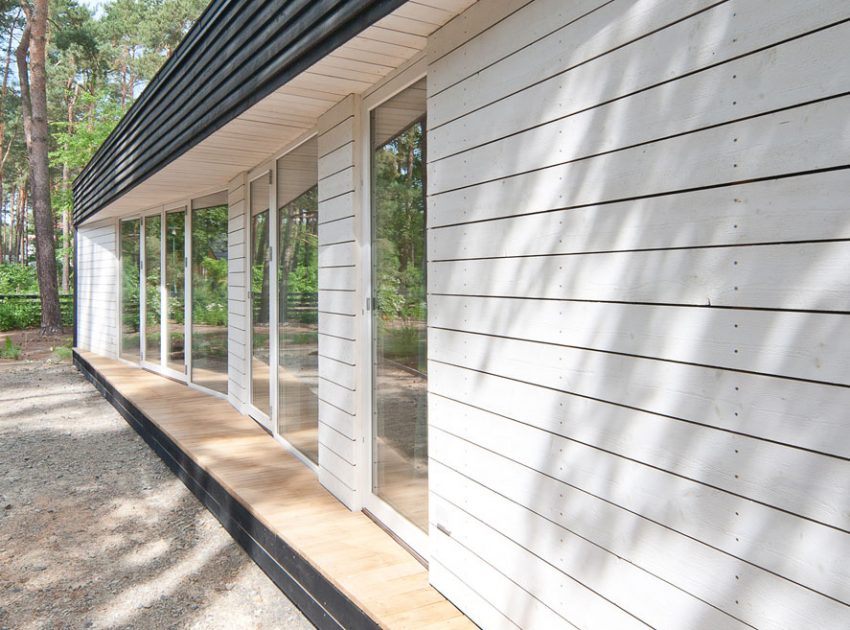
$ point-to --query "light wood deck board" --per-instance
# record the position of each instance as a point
(351, 551)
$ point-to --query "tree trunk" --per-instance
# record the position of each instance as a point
(66, 186)
(22, 223)
(33, 80)
(2, 212)
(19, 244)
(25, 223)
(18, 240)
(7, 62)
(66, 235)
(13, 227)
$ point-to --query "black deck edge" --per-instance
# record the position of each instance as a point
(321, 602)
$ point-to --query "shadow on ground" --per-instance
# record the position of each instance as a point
(95, 531)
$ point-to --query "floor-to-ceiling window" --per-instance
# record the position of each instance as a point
(175, 290)
(130, 244)
(260, 295)
(209, 293)
(399, 313)
(153, 295)
(298, 279)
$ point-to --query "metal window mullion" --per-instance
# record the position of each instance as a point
(188, 298)
(274, 307)
(142, 291)
(163, 294)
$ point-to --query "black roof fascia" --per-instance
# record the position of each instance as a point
(237, 53)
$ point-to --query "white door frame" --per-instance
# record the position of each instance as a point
(120, 276)
(409, 533)
(263, 418)
(187, 301)
(274, 336)
(162, 367)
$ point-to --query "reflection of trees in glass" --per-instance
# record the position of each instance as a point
(130, 280)
(299, 258)
(399, 402)
(209, 266)
(175, 287)
(209, 297)
(399, 224)
(298, 418)
(153, 228)
(260, 257)
(260, 297)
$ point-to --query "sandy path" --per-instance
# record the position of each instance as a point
(95, 531)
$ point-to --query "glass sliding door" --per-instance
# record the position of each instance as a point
(298, 299)
(130, 245)
(260, 279)
(153, 296)
(399, 313)
(175, 290)
(209, 296)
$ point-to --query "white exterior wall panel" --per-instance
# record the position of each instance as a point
(238, 344)
(97, 287)
(340, 433)
(638, 298)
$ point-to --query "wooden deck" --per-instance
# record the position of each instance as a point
(338, 566)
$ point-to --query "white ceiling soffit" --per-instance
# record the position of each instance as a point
(293, 109)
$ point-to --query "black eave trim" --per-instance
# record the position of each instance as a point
(320, 601)
(238, 52)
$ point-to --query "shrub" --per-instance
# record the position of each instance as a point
(9, 350)
(18, 312)
(15, 278)
(63, 352)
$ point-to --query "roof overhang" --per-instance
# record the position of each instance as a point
(250, 76)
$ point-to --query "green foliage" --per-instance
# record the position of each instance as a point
(299, 234)
(16, 315)
(300, 339)
(25, 312)
(209, 266)
(130, 272)
(305, 277)
(400, 225)
(9, 350)
(77, 143)
(210, 307)
(15, 278)
(299, 258)
(402, 343)
(97, 63)
(177, 309)
(63, 352)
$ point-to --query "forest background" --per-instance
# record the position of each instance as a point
(98, 58)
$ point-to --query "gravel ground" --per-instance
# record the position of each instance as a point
(95, 531)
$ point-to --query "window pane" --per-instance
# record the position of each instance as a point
(260, 308)
(209, 297)
(130, 281)
(399, 322)
(175, 288)
(153, 297)
(298, 274)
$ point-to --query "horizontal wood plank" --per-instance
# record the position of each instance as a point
(284, 496)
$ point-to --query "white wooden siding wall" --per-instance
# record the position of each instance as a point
(97, 300)
(639, 248)
(237, 336)
(339, 434)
